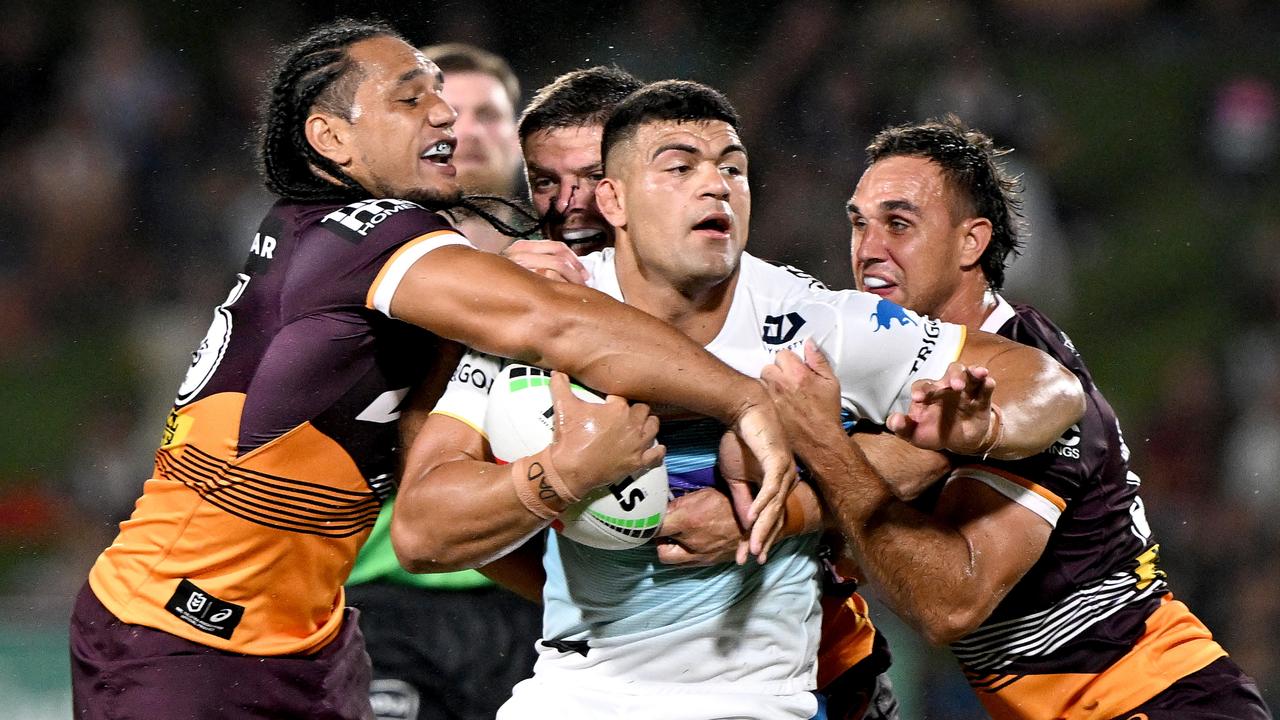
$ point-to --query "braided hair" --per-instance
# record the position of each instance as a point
(970, 163)
(314, 72)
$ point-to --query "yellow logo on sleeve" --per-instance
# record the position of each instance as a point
(176, 428)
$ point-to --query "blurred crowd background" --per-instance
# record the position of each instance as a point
(1147, 134)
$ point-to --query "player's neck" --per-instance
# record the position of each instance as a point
(969, 305)
(697, 310)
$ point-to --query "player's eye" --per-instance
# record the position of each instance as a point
(731, 170)
(859, 223)
(411, 101)
(543, 183)
(680, 169)
(898, 225)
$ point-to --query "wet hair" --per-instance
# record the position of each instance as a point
(577, 99)
(666, 100)
(970, 164)
(315, 72)
(463, 58)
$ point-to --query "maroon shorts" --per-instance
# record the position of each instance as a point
(121, 671)
(1219, 691)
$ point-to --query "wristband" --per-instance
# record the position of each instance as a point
(795, 521)
(554, 479)
(529, 477)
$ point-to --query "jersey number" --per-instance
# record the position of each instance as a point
(205, 360)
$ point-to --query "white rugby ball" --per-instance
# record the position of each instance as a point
(519, 422)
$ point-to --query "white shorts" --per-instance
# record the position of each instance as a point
(540, 699)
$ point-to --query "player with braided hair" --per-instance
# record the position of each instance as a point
(318, 74)
(222, 595)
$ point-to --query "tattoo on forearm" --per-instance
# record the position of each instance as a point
(539, 475)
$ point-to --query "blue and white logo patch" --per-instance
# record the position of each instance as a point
(887, 313)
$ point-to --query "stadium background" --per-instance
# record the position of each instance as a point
(1148, 134)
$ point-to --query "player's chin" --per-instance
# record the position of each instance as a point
(436, 194)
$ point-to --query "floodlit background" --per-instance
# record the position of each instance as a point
(1146, 132)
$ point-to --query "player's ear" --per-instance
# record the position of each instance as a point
(330, 136)
(610, 201)
(977, 236)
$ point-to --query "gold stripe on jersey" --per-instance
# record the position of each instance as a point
(392, 272)
(1034, 497)
(1174, 645)
(284, 544)
(464, 421)
(847, 636)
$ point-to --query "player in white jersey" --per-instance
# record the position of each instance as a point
(622, 633)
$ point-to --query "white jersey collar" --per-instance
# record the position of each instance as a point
(998, 317)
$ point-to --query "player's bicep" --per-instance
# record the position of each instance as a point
(1006, 535)
(982, 348)
(483, 300)
(442, 439)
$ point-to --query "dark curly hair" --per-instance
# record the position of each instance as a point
(970, 163)
(313, 72)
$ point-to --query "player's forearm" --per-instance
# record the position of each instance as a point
(619, 350)
(1038, 398)
(497, 307)
(922, 569)
(460, 515)
(906, 469)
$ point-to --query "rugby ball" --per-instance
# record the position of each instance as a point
(519, 422)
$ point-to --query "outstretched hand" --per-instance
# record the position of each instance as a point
(952, 413)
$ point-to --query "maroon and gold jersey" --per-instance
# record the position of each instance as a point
(281, 443)
(1092, 629)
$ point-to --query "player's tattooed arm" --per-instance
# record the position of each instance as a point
(457, 509)
(605, 344)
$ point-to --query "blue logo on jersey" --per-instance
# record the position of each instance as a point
(886, 312)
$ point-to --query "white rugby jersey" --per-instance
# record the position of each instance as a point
(620, 619)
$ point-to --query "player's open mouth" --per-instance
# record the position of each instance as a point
(716, 224)
(439, 154)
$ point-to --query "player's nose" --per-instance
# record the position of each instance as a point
(441, 114)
